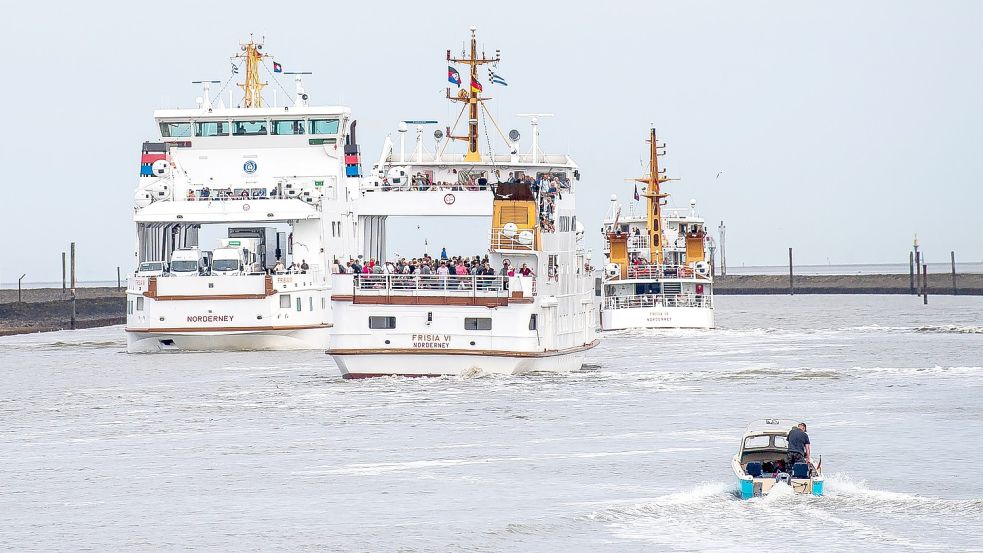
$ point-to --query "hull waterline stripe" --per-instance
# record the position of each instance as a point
(225, 329)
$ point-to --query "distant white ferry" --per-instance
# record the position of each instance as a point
(271, 183)
(512, 321)
(657, 273)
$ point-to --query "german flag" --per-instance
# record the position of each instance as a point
(475, 86)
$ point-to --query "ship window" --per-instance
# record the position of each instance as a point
(299, 307)
(477, 323)
(323, 303)
(248, 128)
(284, 301)
(129, 308)
(324, 126)
(532, 322)
(169, 130)
(139, 303)
(212, 128)
(310, 303)
(383, 323)
(288, 127)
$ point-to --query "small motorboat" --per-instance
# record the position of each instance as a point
(760, 462)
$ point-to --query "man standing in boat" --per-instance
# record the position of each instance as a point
(799, 446)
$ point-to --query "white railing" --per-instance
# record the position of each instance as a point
(424, 186)
(442, 285)
(658, 300)
(664, 271)
(502, 239)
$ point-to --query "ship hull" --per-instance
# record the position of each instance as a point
(247, 340)
(376, 363)
(657, 317)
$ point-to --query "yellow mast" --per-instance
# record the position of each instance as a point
(252, 88)
(471, 97)
(654, 197)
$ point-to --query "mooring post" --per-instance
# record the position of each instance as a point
(72, 323)
(918, 270)
(911, 271)
(791, 286)
(63, 273)
(952, 255)
(925, 283)
(119, 282)
(18, 287)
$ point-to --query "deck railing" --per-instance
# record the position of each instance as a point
(664, 271)
(463, 286)
(657, 300)
(512, 239)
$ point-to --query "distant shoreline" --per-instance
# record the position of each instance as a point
(48, 309)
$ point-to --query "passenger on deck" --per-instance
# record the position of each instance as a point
(279, 268)
(799, 446)
(304, 267)
(443, 253)
(191, 194)
(336, 267)
(526, 271)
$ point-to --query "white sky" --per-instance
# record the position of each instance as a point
(842, 128)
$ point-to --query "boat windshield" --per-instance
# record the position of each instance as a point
(184, 266)
(152, 266)
(225, 265)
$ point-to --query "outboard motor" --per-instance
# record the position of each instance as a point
(783, 477)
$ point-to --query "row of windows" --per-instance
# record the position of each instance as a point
(251, 127)
(299, 304)
(470, 323)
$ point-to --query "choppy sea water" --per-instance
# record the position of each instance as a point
(104, 451)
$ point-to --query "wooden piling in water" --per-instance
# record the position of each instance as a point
(63, 287)
(952, 256)
(918, 271)
(925, 283)
(119, 281)
(911, 271)
(72, 322)
(791, 285)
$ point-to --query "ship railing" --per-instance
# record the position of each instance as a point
(664, 271)
(425, 185)
(512, 239)
(658, 300)
(441, 285)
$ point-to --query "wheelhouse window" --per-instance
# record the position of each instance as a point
(212, 128)
(477, 323)
(324, 126)
(284, 301)
(382, 323)
(287, 127)
(175, 129)
(249, 128)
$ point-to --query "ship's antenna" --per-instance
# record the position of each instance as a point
(252, 88)
(301, 94)
(205, 102)
(470, 95)
(654, 196)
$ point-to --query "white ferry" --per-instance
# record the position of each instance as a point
(236, 210)
(657, 273)
(535, 315)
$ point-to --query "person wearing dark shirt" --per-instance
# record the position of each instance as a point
(799, 447)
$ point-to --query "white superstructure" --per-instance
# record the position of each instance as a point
(273, 187)
(408, 322)
(657, 273)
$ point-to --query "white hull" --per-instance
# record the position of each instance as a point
(657, 317)
(365, 365)
(259, 340)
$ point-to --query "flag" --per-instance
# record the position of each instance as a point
(277, 68)
(475, 86)
(496, 79)
(453, 76)
(636, 193)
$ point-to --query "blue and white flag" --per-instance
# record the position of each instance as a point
(496, 79)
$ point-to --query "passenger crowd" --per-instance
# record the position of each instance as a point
(427, 265)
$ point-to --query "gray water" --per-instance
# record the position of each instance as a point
(104, 451)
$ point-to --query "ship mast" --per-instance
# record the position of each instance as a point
(470, 96)
(654, 196)
(252, 88)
